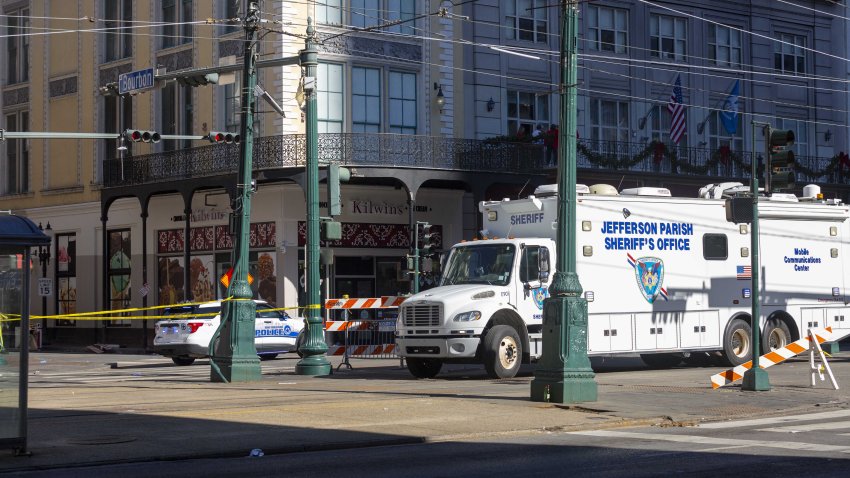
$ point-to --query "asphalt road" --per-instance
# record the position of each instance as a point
(780, 446)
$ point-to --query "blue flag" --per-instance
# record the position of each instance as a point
(729, 115)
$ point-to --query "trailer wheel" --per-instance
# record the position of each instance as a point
(502, 352)
(661, 360)
(737, 347)
(424, 367)
(776, 335)
(182, 360)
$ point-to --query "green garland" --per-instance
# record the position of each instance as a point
(672, 155)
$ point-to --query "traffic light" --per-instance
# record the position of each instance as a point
(429, 240)
(198, 80)
(336, 174)
(781, 160)
(136, 136)
(219, 137)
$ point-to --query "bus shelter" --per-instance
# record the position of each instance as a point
(18, 235)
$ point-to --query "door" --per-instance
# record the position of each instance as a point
(529, 289)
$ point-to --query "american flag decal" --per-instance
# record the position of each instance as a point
(676, 107)
(744, 272)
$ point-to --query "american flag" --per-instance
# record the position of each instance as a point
(744, 272)
(677, 111)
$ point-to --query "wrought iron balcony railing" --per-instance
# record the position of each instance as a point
(396, 150)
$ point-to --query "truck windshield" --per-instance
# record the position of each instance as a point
(480, 264)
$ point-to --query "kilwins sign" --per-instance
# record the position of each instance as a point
(368, 207)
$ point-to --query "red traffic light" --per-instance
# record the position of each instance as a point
(136, 136)
(223, 137)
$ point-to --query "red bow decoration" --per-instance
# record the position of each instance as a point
(658, 152)
(724, 154)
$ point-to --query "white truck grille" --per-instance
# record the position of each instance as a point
(421, 315)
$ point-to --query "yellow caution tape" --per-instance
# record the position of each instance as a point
(113, 314)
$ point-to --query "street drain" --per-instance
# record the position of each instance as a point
(102, 440)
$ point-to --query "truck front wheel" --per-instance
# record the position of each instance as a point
(424, 367)
(502, 352)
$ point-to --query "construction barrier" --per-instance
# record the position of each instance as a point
(773, 357)
(362, 338)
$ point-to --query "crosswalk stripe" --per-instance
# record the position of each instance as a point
(703, 440)
(776, 420)
(808, 427)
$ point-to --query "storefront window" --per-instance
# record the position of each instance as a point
(119, 273)
(66, 277)
(211, 248)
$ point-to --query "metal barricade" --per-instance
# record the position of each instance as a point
(362, 338)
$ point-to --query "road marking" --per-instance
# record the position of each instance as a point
(724, 442)
(775, 420)
(809, 427)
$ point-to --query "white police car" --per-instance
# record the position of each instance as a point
(186, 338)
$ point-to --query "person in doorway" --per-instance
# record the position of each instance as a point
(551, 142)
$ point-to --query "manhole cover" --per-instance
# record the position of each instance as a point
(102, 440)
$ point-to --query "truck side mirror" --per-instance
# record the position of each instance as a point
(543, 263)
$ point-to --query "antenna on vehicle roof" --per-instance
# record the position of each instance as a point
(522, 189)
(621, 182)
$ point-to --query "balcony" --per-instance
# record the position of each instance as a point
(395, 150)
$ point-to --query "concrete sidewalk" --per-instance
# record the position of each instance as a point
(84, 411)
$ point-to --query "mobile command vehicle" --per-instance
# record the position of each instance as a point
(187, 336)
(667, 278)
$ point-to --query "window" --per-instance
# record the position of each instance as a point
(724, 46)
(119, 272)
(403, 10)
(529, 268)
(119, 37)
(66, 277)
(233, 108)
(117, 116)
(329, 100)
(801, 134)
(660, 121)
(714, 247)
(668, 37)
(231, 10)
(366, 100)
(526, 111)
(526, 20)
(789, 56)
(402, 105)
(365, 13)
(607, 29)
(609, 120)
(17, 46)
(177, 114)
(17, 154)
(176, 18)
(328, 12)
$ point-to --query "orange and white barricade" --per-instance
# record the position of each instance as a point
(810, 342)
(363, 338)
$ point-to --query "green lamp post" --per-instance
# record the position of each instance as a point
(564, 374)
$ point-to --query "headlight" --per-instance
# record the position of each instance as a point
(484, 295)
(467, 316)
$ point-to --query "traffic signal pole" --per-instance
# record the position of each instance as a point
(234, 356)
(756, 379)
